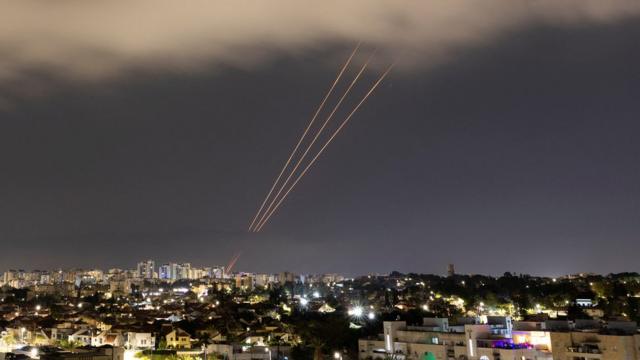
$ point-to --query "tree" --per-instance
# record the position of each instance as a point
(575, 312)
(633, 308)
(9, 339)
(322, 333)
(69, 344)
(277, 296)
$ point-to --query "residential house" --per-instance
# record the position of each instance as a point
(139, 340)
(178, 339)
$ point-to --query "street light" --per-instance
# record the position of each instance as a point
(371, 315)
(337, 355)
(356, 311)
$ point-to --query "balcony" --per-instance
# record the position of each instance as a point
(585, 351)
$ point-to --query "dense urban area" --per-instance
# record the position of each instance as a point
(180, 311)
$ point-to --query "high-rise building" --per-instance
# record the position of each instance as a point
(146, 269)
(173, 271)
(286, 277)
(245, 281)
(167, 271)
(451, 270)
(183, 271)
(216, 272)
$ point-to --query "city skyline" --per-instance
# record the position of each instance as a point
(152, 269)
(504, 140)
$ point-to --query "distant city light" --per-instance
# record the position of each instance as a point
(304, 301)
(316, 294)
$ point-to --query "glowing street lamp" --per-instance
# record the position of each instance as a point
(371, 315)
(356, 311)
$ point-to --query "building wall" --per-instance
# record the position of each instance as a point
(609, 347)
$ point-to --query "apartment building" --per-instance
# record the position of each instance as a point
(495, 338)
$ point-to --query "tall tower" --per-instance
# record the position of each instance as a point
(451, 270)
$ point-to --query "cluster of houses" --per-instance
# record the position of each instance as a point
(182, 321)
(80, 337)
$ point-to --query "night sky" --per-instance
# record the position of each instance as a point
(517, 152)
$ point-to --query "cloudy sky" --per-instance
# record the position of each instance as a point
(504, 139)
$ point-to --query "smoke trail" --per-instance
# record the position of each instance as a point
(318, 133)
(295, 149)
(346, 120)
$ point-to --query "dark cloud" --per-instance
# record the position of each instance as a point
(89, 41)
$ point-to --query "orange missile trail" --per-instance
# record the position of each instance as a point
(304, 134)
(346, 120)
(313, 141)
(232, 263)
